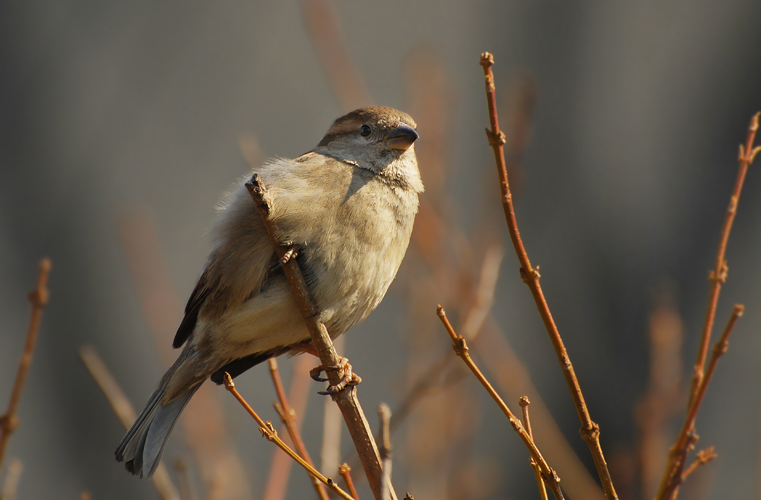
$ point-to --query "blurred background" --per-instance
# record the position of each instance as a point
(122, 123)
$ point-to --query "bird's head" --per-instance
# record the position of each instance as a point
(375, 138)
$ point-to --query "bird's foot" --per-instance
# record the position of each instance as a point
(348, 376)
(291, 252)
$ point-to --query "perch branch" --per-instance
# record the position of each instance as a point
(270, 433)
(39, 299)
(718, 276)
(686, 440)
(288, 416)
(590, 431)
(461, 348)
(346, 398)
(124, 412)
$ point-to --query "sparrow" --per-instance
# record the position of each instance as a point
(347, 207)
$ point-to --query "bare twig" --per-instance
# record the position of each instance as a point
(461, 348)
(288, 416)
(718, 276)
(524, 402)
(12, 478)
(39, 299)
(384, 412)
(345, 472)
(336, 61)
(270, 433)
(678, 456)
(590, 431)
(124, 412)
(346, 399)
(332, 426)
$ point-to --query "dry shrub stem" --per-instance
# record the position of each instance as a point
(270, 433)
(288, 416)
(718, 275)
(346, 399)
(125, 412)
(345, 472)
(590, 431)
(384, 413)
(39, 299)
(673, 476)
(524, 402)
(461, 348)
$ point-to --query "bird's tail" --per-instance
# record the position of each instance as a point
(142, 446)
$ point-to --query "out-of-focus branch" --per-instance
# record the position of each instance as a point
(183, 480)
(203, 423)
(124, 412)
(288, 416)
(461, 348)
(384, 413)
(39, 299)
(336, 61)
(346, 398)
(678, 457)
(12, 478)
(270, 433)
(590, 431)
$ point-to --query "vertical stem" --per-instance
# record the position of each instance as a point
(589, 431)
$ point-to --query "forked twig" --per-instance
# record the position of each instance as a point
(124, 412)
(590, 431)
(672, 477)
(270, 433)
(345, 472)
(288, 416)
(718, 275)
(702, 458)
(39, 299)
(346, 398)
(461, 348)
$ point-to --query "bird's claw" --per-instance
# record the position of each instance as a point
(348, 378)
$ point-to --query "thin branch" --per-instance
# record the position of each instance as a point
(461, 348)
(345, 472)
(524, 402)
(590, 431)
(687, 438)
(39, 299)
(384, 412)
(718, 276)
(270, 433)
(346, 399)
(288, 416)
(124, 411)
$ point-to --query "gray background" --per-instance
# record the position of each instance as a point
(109, 106)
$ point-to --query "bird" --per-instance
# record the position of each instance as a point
(347, 207)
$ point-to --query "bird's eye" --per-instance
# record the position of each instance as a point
(365, 130)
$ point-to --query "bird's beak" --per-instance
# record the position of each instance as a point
(401, 137)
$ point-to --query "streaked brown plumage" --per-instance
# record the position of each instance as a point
(348, 205)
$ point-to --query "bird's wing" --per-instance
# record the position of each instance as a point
(196, 300)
